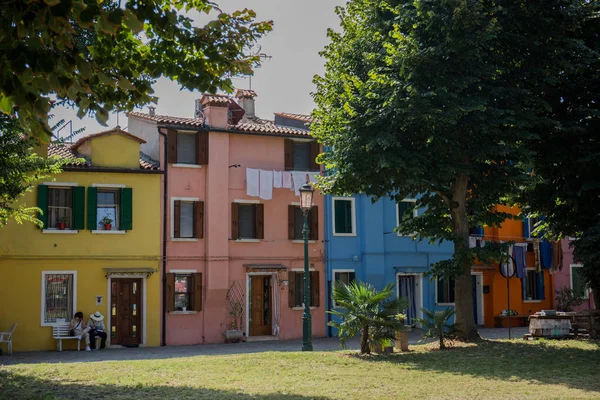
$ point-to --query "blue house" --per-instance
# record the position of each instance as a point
(361, 244)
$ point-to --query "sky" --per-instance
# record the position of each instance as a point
(283, 83)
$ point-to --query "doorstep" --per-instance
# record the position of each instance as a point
(265, 338)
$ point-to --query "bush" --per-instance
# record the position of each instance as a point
(436, 325)
(566, 300)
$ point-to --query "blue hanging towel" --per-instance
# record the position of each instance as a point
(546, 254)
(519, 256)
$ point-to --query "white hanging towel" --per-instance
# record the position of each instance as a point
(472, 242)
(299, 179)
(252, 182)
(277, 179)
(266, 185)
(286, 180)
(312, 177)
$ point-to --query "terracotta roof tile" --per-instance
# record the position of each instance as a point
(258, 126)
(215, 99)
(300, 117)
(245, 94)
(116, 131)
(65, 150)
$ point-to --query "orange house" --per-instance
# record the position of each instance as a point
(532, 293)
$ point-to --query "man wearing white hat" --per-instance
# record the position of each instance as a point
(96, 325)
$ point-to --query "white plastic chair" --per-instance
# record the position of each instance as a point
(6, 337)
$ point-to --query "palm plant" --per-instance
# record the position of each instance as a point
(365, 311)
(436, 325)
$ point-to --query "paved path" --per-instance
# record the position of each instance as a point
(146, 353)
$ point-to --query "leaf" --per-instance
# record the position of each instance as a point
(6, 104)
(102, 116)
(125, 84)
(132, 21)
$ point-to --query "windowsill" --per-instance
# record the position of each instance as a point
(344, 234)
(183, 312)
(302, 241)
(196, 166)
(532, 301)
(445, 304)
(102, 232)
(63, 231)
(247, 240)
(302, 308)
(184, 240)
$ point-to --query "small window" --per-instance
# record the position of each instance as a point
(60, 207)
(529, 225)
(343, 217)
(186, 219)
(297, 290)
(406, 210)
(187, 148)
(247, 221)
(301, 151)
(534, 285)
(183, 292)
(107, 209)
(445, 291)
(58, 297)
(298, 223)
(578, 282)
(345, 277)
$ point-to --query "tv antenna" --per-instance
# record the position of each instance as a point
(261, 56)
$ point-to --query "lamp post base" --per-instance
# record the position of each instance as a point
(307, 333)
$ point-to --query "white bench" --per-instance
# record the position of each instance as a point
(62, 332)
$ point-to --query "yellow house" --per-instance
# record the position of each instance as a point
(99, 249)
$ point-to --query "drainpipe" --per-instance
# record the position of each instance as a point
(164, 241)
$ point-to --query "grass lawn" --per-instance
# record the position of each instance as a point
(491, 369)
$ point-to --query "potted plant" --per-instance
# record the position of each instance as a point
(107, 223)
(62, 223)
(234, 333)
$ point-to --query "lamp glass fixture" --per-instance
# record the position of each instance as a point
(306, 196)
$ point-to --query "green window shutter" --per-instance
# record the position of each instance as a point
(92, 201)
(42, 203)
(78, 208)
(126, 209)
(343, 216)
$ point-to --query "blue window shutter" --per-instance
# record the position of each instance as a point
(524, 285)
(540, 286)
(526, 228)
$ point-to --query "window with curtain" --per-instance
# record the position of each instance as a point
(107, 206)
(58, 297)
(60, 207)
(533, 285)
(247, 221)
(186, 148)
(183, 291)
(186, 219)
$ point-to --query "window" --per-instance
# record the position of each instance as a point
(301, 155)
(58, 296)
(533, 285)
(405, 209)
(344, 276)
(60, 207)
(188, 219)
(107, 209)
(247, 221)
(184, 291)
(344, 218)
(296, 223)
(445, 291)
(296, 288)
(578, 282)
(188, 148)
(529, 225)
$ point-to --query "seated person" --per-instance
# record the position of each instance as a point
(80, 330)
(96, 325)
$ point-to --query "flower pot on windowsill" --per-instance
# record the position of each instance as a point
(107, 227)
(62, 226)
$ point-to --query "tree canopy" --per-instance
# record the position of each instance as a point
(100, 56)
(435, 100)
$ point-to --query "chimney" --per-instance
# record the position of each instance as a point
(151, 111)
(245, 99)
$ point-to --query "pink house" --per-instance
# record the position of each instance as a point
(570, 277)
(230, 244)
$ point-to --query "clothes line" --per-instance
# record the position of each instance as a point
(260, 183)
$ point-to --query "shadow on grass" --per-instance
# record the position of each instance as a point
(538, 362)
(16, 386)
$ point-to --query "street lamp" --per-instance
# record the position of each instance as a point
(306, 195)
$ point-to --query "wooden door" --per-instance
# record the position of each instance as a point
(126, 311)
(260, 305)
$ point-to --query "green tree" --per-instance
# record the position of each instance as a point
(566, 185)
(20, 168)
(100, 55)
(436, 325)
(365, 311)
(434, 100)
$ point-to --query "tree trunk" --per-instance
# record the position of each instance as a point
(442, 346)
(596, 296)
(364, 341)
(463, 290)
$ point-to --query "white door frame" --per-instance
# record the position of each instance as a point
(418, 290)
(274, 286)
(144, 278)
(480, 308)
